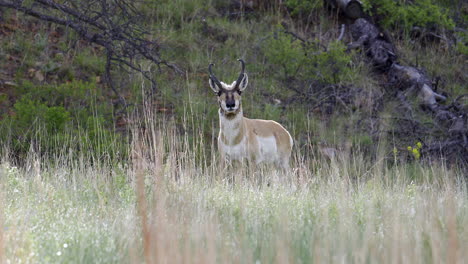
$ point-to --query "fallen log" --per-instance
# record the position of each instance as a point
(450, 130)
(414, 80)
(377, 46)
(382, 53)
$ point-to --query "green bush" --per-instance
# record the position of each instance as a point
(407, 14)
(29, 112)
(331, 66)
(286, 52)
(55, 118)
(309, 61)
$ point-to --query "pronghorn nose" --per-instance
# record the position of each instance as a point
(230, 104)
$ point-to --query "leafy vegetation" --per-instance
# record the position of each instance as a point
(303, 7)
(297, 59)
(405, 15)
(68, 114)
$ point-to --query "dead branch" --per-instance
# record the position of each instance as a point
(342, 31)
(292, 33)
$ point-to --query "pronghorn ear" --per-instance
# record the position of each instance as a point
(243, 83)
(213, 86)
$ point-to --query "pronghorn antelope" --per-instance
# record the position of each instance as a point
(242, 138)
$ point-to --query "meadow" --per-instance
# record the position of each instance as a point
(170, 203)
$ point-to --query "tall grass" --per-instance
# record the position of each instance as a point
(170, 203)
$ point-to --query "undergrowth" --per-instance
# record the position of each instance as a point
(404, 15)
(57, 83)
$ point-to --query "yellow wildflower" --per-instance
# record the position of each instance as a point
(416, 153)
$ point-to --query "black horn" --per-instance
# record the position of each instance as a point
(213, 77)
(241, 75)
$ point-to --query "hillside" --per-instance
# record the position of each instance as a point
(300, 75)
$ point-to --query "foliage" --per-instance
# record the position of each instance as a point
(462, 44)
(91, 62)
(308, 61)
(174, 12)
(29, 112)
(56, 116)
(415, 151)
(407, 14)
(331, 66)
(303, 7)
(285, 51)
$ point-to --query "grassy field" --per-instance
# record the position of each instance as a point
(171, 204)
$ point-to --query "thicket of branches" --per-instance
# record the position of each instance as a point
(116, 25)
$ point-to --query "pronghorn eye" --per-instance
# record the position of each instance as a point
(220, 92)
(239, 92)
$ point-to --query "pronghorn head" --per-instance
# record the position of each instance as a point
(229, 95)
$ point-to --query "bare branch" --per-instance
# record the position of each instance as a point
(115, 25)
(342, 31)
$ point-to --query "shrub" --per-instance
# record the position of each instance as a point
(308, 61)
(29, 112)
(331, 66)
(407, 14)
(283, 50)
(57, 117)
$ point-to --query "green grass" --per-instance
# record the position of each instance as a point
(347, 209)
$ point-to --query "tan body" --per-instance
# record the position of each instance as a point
(255, 140)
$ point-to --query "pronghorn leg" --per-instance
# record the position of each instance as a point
(283, 164)
(225, 166)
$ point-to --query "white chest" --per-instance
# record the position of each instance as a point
(232, 143)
